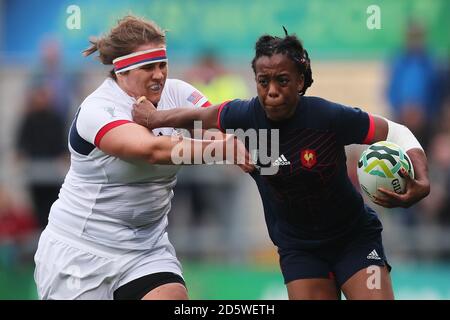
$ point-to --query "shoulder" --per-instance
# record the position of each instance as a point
(94, 106)
(318, 101)
(237, 114)
(107, 95)
(176, 86)
(321, 106)
(106, 92)
(241, 103)
(106, 104)
(178, 93)
(323, 114)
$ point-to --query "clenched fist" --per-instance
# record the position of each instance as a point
(142, 112)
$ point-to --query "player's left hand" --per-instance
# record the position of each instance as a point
(242, 157)
(415, 190)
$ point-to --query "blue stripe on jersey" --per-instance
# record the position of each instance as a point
(77, 142)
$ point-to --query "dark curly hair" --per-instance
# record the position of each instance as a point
(290, 46)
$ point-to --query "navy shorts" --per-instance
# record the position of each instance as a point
(339, 260)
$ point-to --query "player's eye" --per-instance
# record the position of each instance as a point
(150, 66)
(283, 81)
(263, 82)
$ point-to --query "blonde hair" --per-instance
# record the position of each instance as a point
(129, 33)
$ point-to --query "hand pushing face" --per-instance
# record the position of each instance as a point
(143, 111)
(141, 99)
(278, 83)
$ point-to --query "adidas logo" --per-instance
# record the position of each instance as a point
(373, 255)
(281, 161)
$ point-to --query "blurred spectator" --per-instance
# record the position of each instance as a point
(50, 73)
(17, 224)
(16, 221)
(41, 142)
(437, 205)
(204, 196)
(444, 97)
(215, 81)
(443, 124)
(411, 86)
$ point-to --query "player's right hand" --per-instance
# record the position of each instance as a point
(143, 113)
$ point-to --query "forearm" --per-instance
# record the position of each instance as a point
(402, 136)
(145, 114)
(175, 118)
(131, 141)
(185, 151)
(417, 188)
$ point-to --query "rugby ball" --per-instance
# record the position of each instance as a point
(379, 166)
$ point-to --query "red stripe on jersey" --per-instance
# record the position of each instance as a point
(206, 104)
(371, 131)
(106, 128)
(218, 114)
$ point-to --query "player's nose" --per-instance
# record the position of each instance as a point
(273, 91)
(158, 73)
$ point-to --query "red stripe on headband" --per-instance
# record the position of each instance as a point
(139, 58)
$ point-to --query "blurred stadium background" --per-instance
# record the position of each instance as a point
(217, 223)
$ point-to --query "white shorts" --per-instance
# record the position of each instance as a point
(71, 268)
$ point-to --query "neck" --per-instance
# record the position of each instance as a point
(125, 88)
(292, 112)
(294, 108)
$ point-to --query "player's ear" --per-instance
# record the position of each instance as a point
(301, 83)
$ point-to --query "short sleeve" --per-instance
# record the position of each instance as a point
(96, 118)
(353, 125)
(234, 114)
(188, 96)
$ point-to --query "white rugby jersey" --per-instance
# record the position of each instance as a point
(115, 202)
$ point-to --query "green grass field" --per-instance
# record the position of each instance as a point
(220, 281)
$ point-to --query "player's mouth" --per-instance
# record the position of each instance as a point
(277, 112)
(156, 88)
(275, 108)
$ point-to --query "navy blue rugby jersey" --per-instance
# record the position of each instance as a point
(310, 200)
